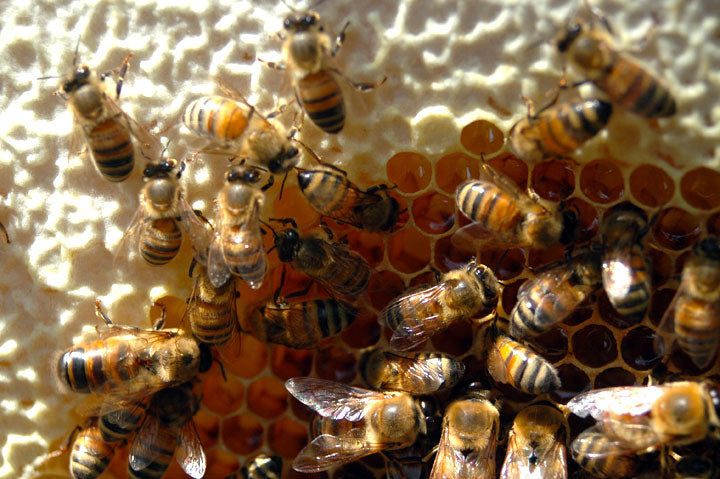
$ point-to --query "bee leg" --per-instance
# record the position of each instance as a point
(276, 295)
(270, 182)
(121, 71)
(285, 221)
(360, 86)
(5, 233)
(64, 448)
(161, 320)
(339, 40)
(77, 48)
(301, 292)
(281, 109)
(279, 66)
(101, 314)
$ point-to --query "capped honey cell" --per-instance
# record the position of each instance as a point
(411, 172)
(482, 137)
(651, 185)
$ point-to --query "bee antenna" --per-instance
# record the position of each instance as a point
(309, 150)
(282, 185)
(272, 230)
(501, 259)
(312, 6)
(47, 78)
(77, 48)
(289, 6)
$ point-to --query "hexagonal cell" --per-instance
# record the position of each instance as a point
(613, 377)
(505, 263)
(676, 229)
(288, 363)
(602, 181)
(453, 169)
(222, 396)
(220, 463)
(386, 286)
(481, 137)
(553, 180)
(208, 428)
(659, 302)
(639, 348)
(509, 295)
(651, 186)
(411, 172)
(610, 315)
(552, 344)
(574, 381)
(242, 434)
(370, 245)
(447, 257)
(700, 187)
(335, 364)
(251, 359)
(537, 258)
(426, 278)
(589, 220)
(409, 250)
(512, 167)
(582, 313)
(594, 346)
(434, 213)
(267, 397)
(661, 266)
(287, 437)
(455, 340)
(364, 332)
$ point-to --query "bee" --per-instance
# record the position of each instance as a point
(263, 467)
(558, 129)
(211, 311)
(237, 247)
(117, 425)
(508, 361)
(625, 269)
(537, 445)
(168, 426)
(239, 128)
(602, 456)
(383, 421)
(91, 453)
(645, 418)
(590, 48)
(551, 296)
(154, 226)
(694, 313)
(416, 373)
(331, 194)
(333, 265)
(469, 437)
(510, 216)
(461, 293)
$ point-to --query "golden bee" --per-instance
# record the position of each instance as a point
(154, 227)
(469, 438)
(625, 267)
(117, 425)
(602, 456)
(460, 294)
(91, 453)
(552, 295)
(416, 373)
(211, 311)
(168, 426)
(537, 445)
(511, 217)
(331, 194)
(333, 265)
(263, 467)
(237, 247)
(694, 313)
(589, 46)
(558, 129)
(239, 129)
(381, 421)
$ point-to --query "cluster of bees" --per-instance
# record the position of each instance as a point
(142, 381)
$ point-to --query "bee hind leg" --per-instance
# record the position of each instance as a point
(358, 85)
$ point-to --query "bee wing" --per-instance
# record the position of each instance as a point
(77, 137)
(150, 146)
(141, 452)
(517, 463)
(344, 259)
(331, 399)
(199, 231)
(217, 270)
(466, 239)
(593, 444)
(488, 173)
(190, 454)
(137, 222)
(617, 272)
(426, 375)
(495, 364)
(327, 451)
(623, 400)
(451, 463)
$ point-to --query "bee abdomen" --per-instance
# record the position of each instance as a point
(163, 446)
(217, 118)
(573, 125)
(634, 303)
(212, 322)
(529, 318)
(528, 372)
(90, 454)
(320, 96)
(634, 88)
(697, 332)
(487, 205)
(112, 149)
(160, 241)
(118, 425)
(245, 257)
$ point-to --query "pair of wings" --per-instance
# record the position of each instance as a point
(517, 463)
(342, 259)
(417, 375)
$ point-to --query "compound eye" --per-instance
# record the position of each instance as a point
(308, 20)
(287, 23)
(83, 72)
(251, 176)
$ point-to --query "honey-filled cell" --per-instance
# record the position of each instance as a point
(700, 187)
(411, 172)
(537, 258)
(409, 250)
(453, 169)
(552, 344)
(573, 380)
(287, 437)
(651, 186)
(424, 279)
(641, 349)
(335, 364)
(661, 266)
(434, 213)
(508, 298)
(447, 257)
(614, 377)
(676, 229)
(208, 428)
(267, 397)
(481, 137)
(602, 181)
(220, 463)
(287, 363)
(594, 346)
(553, 180)
(242, 434)
(455, 340)
(385, 286)
(659, 303)
(589, 221)
(505, 263)
(370, 245)
(512, 167)
(220, 395)
(364, 331)
(251, 359)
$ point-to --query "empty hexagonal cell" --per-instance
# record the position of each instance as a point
(512, 167)
(242, 434)
(505, 263)
(411, 172)
(589, 220)
(582, 313)
(267, 397)
(574, 381)
(364, 332)
(434, 213)
(222, 396)
(700, 187)
(251, 359)
(336, 364)
(208, 428)
(453, 169)
(552, 344)
(409, 250)
(455, 340)
(288, 363)
(286, 437)
(370, 245)
(676, 229)
(594, 346)
(447, 257)
(553, 180)
(640, 350)
(610, 315)
(537, 258)
(651, 186)
(220, 463)
(426, 278)
(602, 181)
(385, 286)
(659, 302)
(482, 137)
(613, 377)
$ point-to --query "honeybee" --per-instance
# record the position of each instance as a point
(333, 265)
(237, 247)
(154, 226)
(590, 47)
(510, 362)
(91, 453)
(558, 129)
(240, 129)
(644, 418)
(263, 467)
(416, 373)
(461, 293)
(331, 194)
(551, 296)
(625, 268)
(168, 426)
(602, 456)
(469, 437)
(384, 421)
(537, 445)
(211, 311)
(694, 313)
(117, 425)
(510, 216)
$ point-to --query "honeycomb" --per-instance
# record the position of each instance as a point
(423, 140)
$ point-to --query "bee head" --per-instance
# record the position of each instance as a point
(708, 248)
(300, 21)
(714, 394)
(571, 33)
(243, 174)
(78, 78)
(287, 243)
(284, 161)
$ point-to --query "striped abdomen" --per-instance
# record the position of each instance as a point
(524, 369)
(329, 192)
(118, 425)
(263, 467)
(90, 454)
(112, 149)
(163, 445)
(380, 214)
(244, 253)
(217, 118)
(160, 241)
(633, 300)
(697, 327)
(320, 96)
(539, 309)
(337, 268)
(490, 207)
(590, 451)
(632, 87)
(211, 312)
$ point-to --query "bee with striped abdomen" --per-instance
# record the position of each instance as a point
(625, 267)
(590, 48)
(602, 456)
(263, 467)
(91, 453)
(417, 316)
(168, 426)
(118, 425)
(416, 373)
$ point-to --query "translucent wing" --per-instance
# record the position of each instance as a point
(198, 231)
(343, 259)
(468, 238)
(623, 400)
(332, 399)
(142, 452)
(190, 454)
(593, 444)
(495, 364)
(488, 173)
(217, 270)
(327, 451)
(553, 464)
(149, 145)
(137, 223)
(617, 272)
(547, 281)
(451, 463)
(423, 376)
